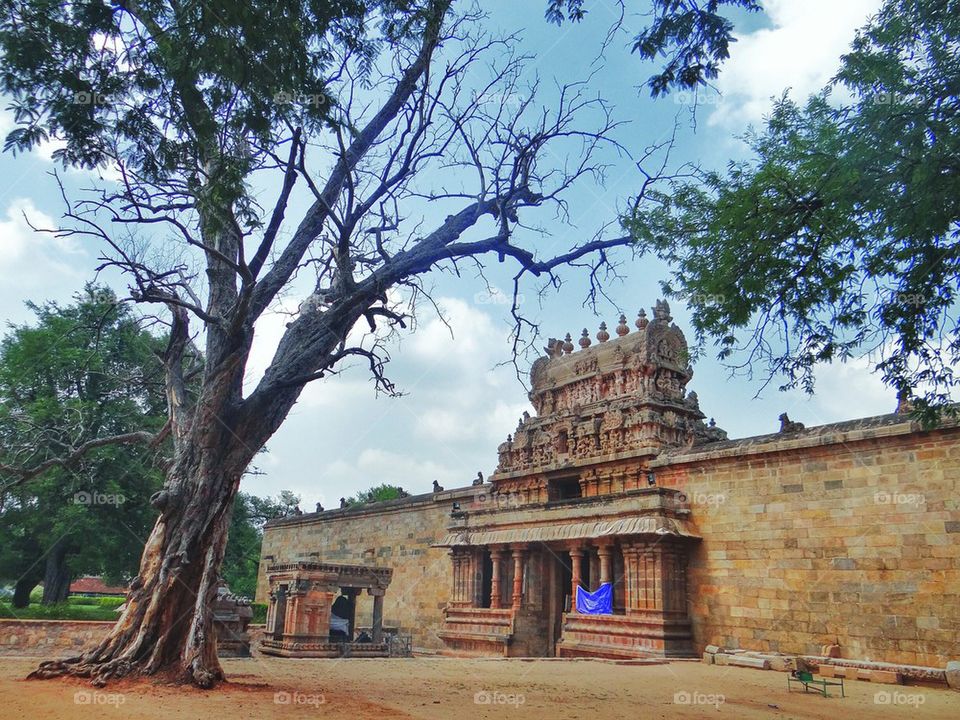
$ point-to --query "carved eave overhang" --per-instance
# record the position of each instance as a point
(624, 527)
(362, 576)
(650, 512)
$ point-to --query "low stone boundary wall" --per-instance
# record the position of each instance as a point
(49, 638)
(63, 638)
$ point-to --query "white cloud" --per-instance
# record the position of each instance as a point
(458, 406)
(801, 50)
(36, 265)
(851, 390)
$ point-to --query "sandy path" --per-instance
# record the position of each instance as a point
(441, 689)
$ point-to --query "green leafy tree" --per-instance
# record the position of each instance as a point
(839, 236)
(241, 561)
(77, 373)
(282, 145)
(379, 493)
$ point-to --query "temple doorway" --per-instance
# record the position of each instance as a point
(561, 577)
(486, 579)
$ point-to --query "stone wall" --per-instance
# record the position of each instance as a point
(396, 534)
(49, 638)
(62, 638)
(848, 532)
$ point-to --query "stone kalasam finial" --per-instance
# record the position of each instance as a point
(622, 327)
(585, 339)
(603, 335)
(642, 321)
(567, 344)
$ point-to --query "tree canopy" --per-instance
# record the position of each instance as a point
(378, 493)
(79, 372)
(241, 561)
(839, 235)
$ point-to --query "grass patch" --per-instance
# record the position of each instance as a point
(60, 611)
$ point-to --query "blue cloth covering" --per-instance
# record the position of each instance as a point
(599, 602)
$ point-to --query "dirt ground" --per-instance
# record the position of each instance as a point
(442, 689)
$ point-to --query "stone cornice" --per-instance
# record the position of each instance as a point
(380, 508)
(848, 432)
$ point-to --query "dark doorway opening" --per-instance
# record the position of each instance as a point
(562, 578)
(565, 488)
(486, 579)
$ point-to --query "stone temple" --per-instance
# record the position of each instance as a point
(843, 535)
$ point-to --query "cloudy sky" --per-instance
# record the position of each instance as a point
(460, 400)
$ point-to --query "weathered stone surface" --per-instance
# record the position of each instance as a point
(53, 638)
(708, 658)
(750, 662)
(61, 638)
(782, 663)
(884, 676)
(953, 674)
(712, 649)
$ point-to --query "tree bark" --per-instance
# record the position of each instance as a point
(22, 590)
(56, 578)
(167, 626)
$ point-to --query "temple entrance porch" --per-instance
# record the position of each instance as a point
(531, 609)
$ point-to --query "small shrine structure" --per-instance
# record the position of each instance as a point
(301, 598)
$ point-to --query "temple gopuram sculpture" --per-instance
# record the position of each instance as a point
(529, 565)
(626, 393)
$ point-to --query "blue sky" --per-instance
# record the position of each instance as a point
(460, 402)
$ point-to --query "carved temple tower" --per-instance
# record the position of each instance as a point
(573, 503)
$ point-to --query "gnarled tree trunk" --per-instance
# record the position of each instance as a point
(167, 626)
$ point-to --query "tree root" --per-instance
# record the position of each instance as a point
(100, 672)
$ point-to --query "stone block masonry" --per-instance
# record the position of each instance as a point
(396, 534)
(837, 534)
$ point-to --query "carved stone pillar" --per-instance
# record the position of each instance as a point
(517, 597)
(495, 555)
(576, 555)
(377, 624)
(605, 551)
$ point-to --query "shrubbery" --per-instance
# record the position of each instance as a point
(60, 611)
(107, 602)
(259, 613)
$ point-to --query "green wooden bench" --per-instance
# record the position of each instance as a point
(809, 682)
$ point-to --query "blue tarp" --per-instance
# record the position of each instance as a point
(599, 602)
